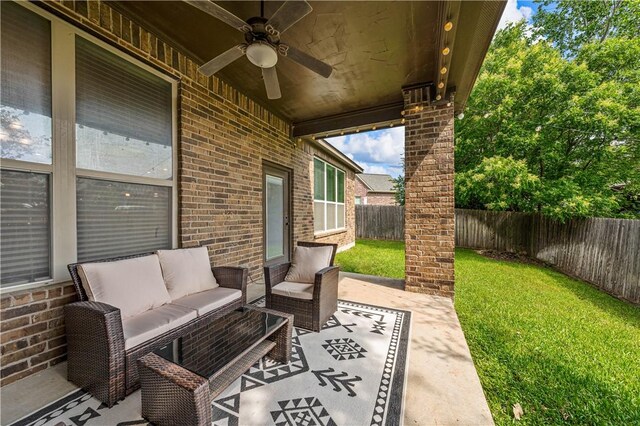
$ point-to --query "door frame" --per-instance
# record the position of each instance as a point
(277, 168)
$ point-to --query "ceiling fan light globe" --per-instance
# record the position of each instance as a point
(262, 55)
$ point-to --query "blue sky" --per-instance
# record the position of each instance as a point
(380, 151)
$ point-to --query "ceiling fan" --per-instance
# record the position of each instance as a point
(262, 41)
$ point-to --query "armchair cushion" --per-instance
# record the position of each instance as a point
(307, 261)
(208, 300)
(150, 324)
(132, 285)
(293, 289)
(186, 271)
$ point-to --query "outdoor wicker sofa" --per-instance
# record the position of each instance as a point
(102, 357)
(311, 302)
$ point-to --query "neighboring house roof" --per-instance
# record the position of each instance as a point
(377, 182)
(335, 152)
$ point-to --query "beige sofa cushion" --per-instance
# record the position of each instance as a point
(307, 261)
(293, 289)
(186, 271)
(153, 323)
(132, 285)
(208, 300)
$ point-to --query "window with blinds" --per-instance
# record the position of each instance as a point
(122, 112)
(25, 98)
(25, 227)
(328, 204)
(124, 133)
(117, 219)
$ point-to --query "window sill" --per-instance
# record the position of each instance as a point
(329, 233)
(28, 287)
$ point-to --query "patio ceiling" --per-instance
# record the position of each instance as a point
(375, 48)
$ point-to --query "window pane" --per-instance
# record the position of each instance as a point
(340, 215)
(25, 98)
(24, 227)
(318, 216)
(340, 186)
(275, 217)
(331, 183)
(358, 200)
(116, 219)
(331, 216)
(123, 115)
(318, 179)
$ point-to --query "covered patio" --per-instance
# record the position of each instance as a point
(442, 386)
(116, 143)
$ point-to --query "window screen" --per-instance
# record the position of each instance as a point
(116, 219)
(123, 112)
(25, 97)
(24, 227)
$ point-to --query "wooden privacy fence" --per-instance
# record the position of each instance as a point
(380, 222)
(605, 252)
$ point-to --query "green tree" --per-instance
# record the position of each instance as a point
(398, 186)
(573, 122)
(571, 24)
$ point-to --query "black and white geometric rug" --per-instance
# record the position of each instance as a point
(351, 373)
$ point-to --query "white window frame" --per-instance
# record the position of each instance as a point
(325, 202)
(63, 171)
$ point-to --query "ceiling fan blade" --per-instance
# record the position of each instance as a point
(315, 65)
(288, 14)
(271, 83)
(222, 60)
(222, 14)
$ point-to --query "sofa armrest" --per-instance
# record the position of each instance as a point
(275, 274)
(232, 277)
(95, 349)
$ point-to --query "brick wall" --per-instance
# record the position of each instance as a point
(224, 137)
(381, 199)
(32, 330)
(429, 204)
(361, 189)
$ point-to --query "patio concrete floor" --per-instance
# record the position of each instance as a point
(443, 387)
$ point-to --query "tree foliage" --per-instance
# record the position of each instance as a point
(398, 186)
(553, 123)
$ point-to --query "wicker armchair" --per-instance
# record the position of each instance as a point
(97, 360)
(309, 314)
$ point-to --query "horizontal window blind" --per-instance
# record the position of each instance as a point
(26, 59)
(116, 219)
(25, 94)
(115, 96)
(24, 227)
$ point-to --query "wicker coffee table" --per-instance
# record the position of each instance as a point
(180, 380)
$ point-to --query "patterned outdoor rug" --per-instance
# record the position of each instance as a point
(351, 373)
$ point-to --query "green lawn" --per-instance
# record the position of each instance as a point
(566, 352)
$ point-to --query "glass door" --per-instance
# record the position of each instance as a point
(275, 195)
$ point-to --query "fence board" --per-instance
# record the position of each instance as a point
(380, 222)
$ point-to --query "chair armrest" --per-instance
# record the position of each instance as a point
(95, 349)
(326, 277)
(275, 274)
(232, 277)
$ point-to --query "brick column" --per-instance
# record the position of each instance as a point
(429, 208)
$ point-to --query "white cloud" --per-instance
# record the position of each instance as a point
(381, 146)
(513, 13)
